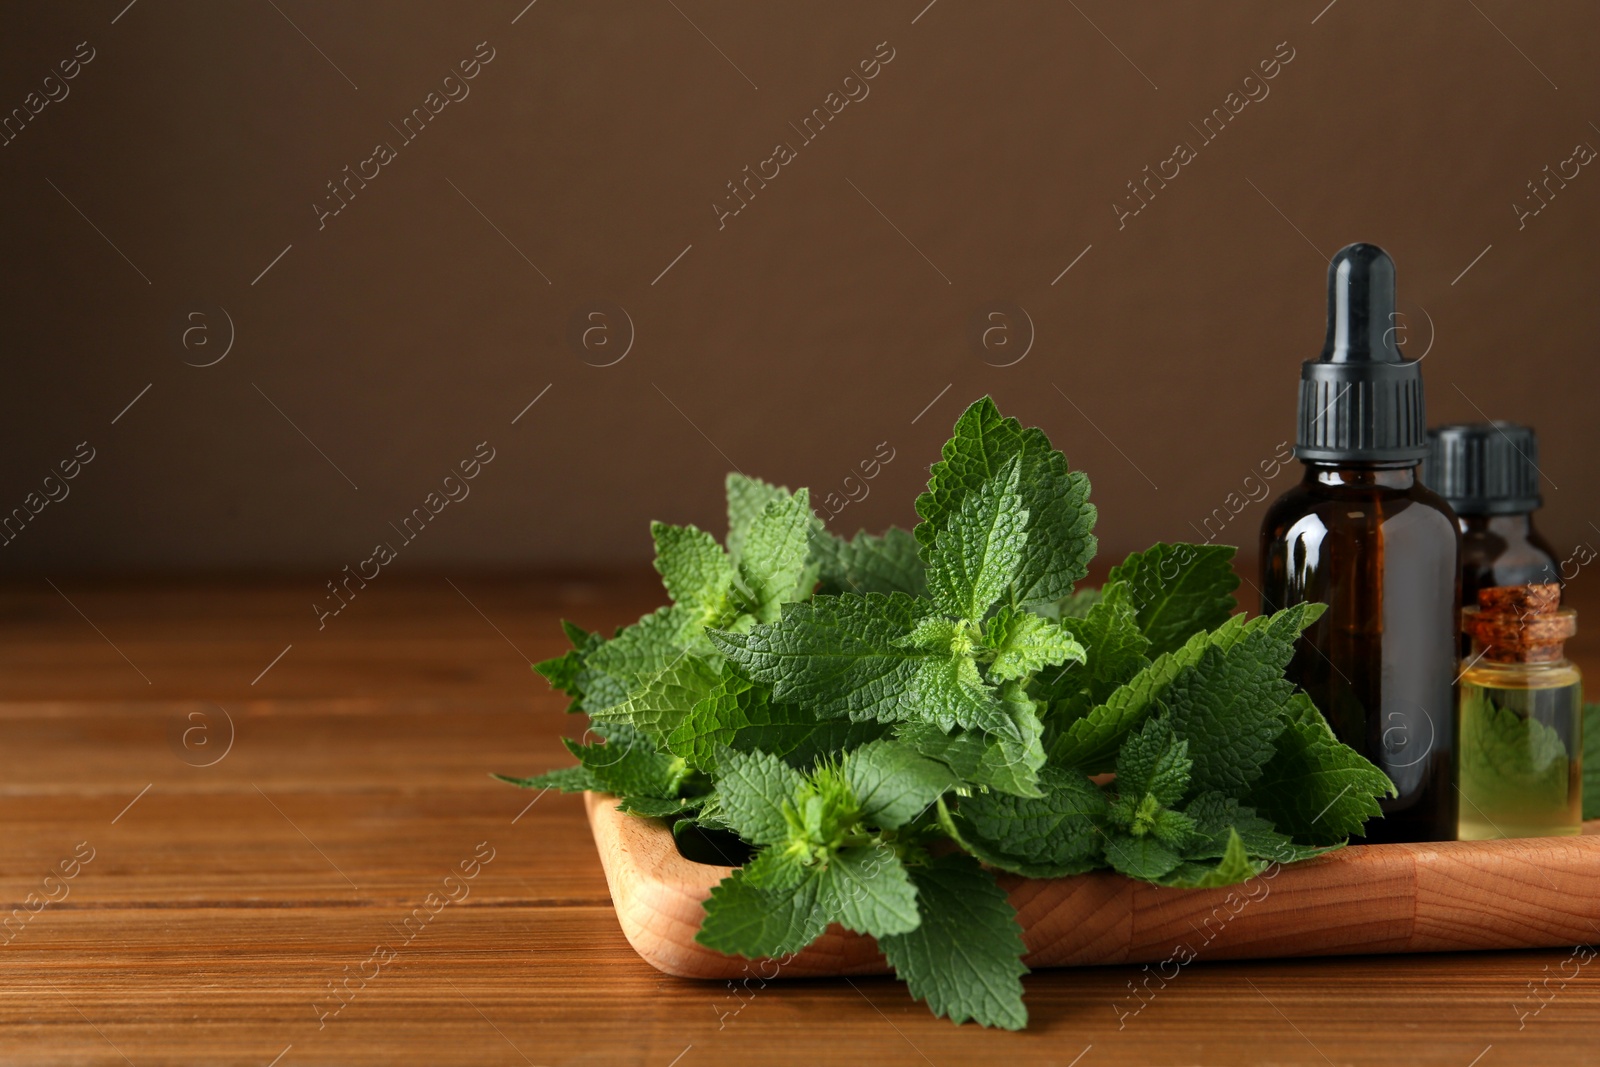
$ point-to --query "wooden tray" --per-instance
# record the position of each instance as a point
(1532, 893)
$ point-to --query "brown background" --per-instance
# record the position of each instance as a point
(795, 340)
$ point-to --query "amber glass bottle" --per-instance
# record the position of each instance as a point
(1488, 472)
(1362, 534)
(1503, 550)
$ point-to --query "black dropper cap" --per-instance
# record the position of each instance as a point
(1361, 401)
(1484, 468)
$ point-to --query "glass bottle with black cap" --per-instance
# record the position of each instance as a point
(1488, 472)
(1364, 535)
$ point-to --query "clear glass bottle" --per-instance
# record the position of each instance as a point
(1521, 717)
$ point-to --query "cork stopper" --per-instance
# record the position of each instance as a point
(1520, 623)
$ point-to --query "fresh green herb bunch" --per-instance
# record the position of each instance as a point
(887, 721)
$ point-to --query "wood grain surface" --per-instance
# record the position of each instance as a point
(327, 844)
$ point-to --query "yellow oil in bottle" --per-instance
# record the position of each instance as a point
(1520, 750)
(1520, 720)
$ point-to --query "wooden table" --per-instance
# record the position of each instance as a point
(222, 902)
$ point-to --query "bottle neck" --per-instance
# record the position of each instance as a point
(1550, 658)
(1514, 527)
(1519, 624)
(1401, 475)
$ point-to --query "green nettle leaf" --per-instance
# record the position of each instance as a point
(694, 568)
(870, 564)
(709, 816)
(645, 648)
(1216, 816)
(1232, 867)
(740, 715)
(627, 764)
(664, 698)
(1591, 761)
(1154, 762)
(1023, 643)
(1059, 531)
(894, 783)
(1119, 651)
(940, 636)
(1152, 773)
(1022, 746)
(775, 905)
(949, 692)
(562, 780)
(965, 957)
(1007, 761)
(658, 808)
(867, 890)
(1228, 706)
(1167, 826)
(999, 763)
(743, 919)
(581, 639)
(574, 675)
(1178, 590)
(1049, 836)
(1075, 606)
(753, 791)
(838, 655)
(565, 672)
(600, 691)
(975, 557)
(747, 499)
(1090, 743)
(1147, 858)
(773, 556)
(778, 868)
(1317, 789)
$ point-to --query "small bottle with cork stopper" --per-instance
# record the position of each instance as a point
(1521, 717)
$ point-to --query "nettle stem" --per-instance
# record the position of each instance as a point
(946, 822)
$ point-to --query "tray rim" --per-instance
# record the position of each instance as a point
(1415, 897)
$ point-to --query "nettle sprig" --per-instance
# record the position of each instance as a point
(885, 722)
